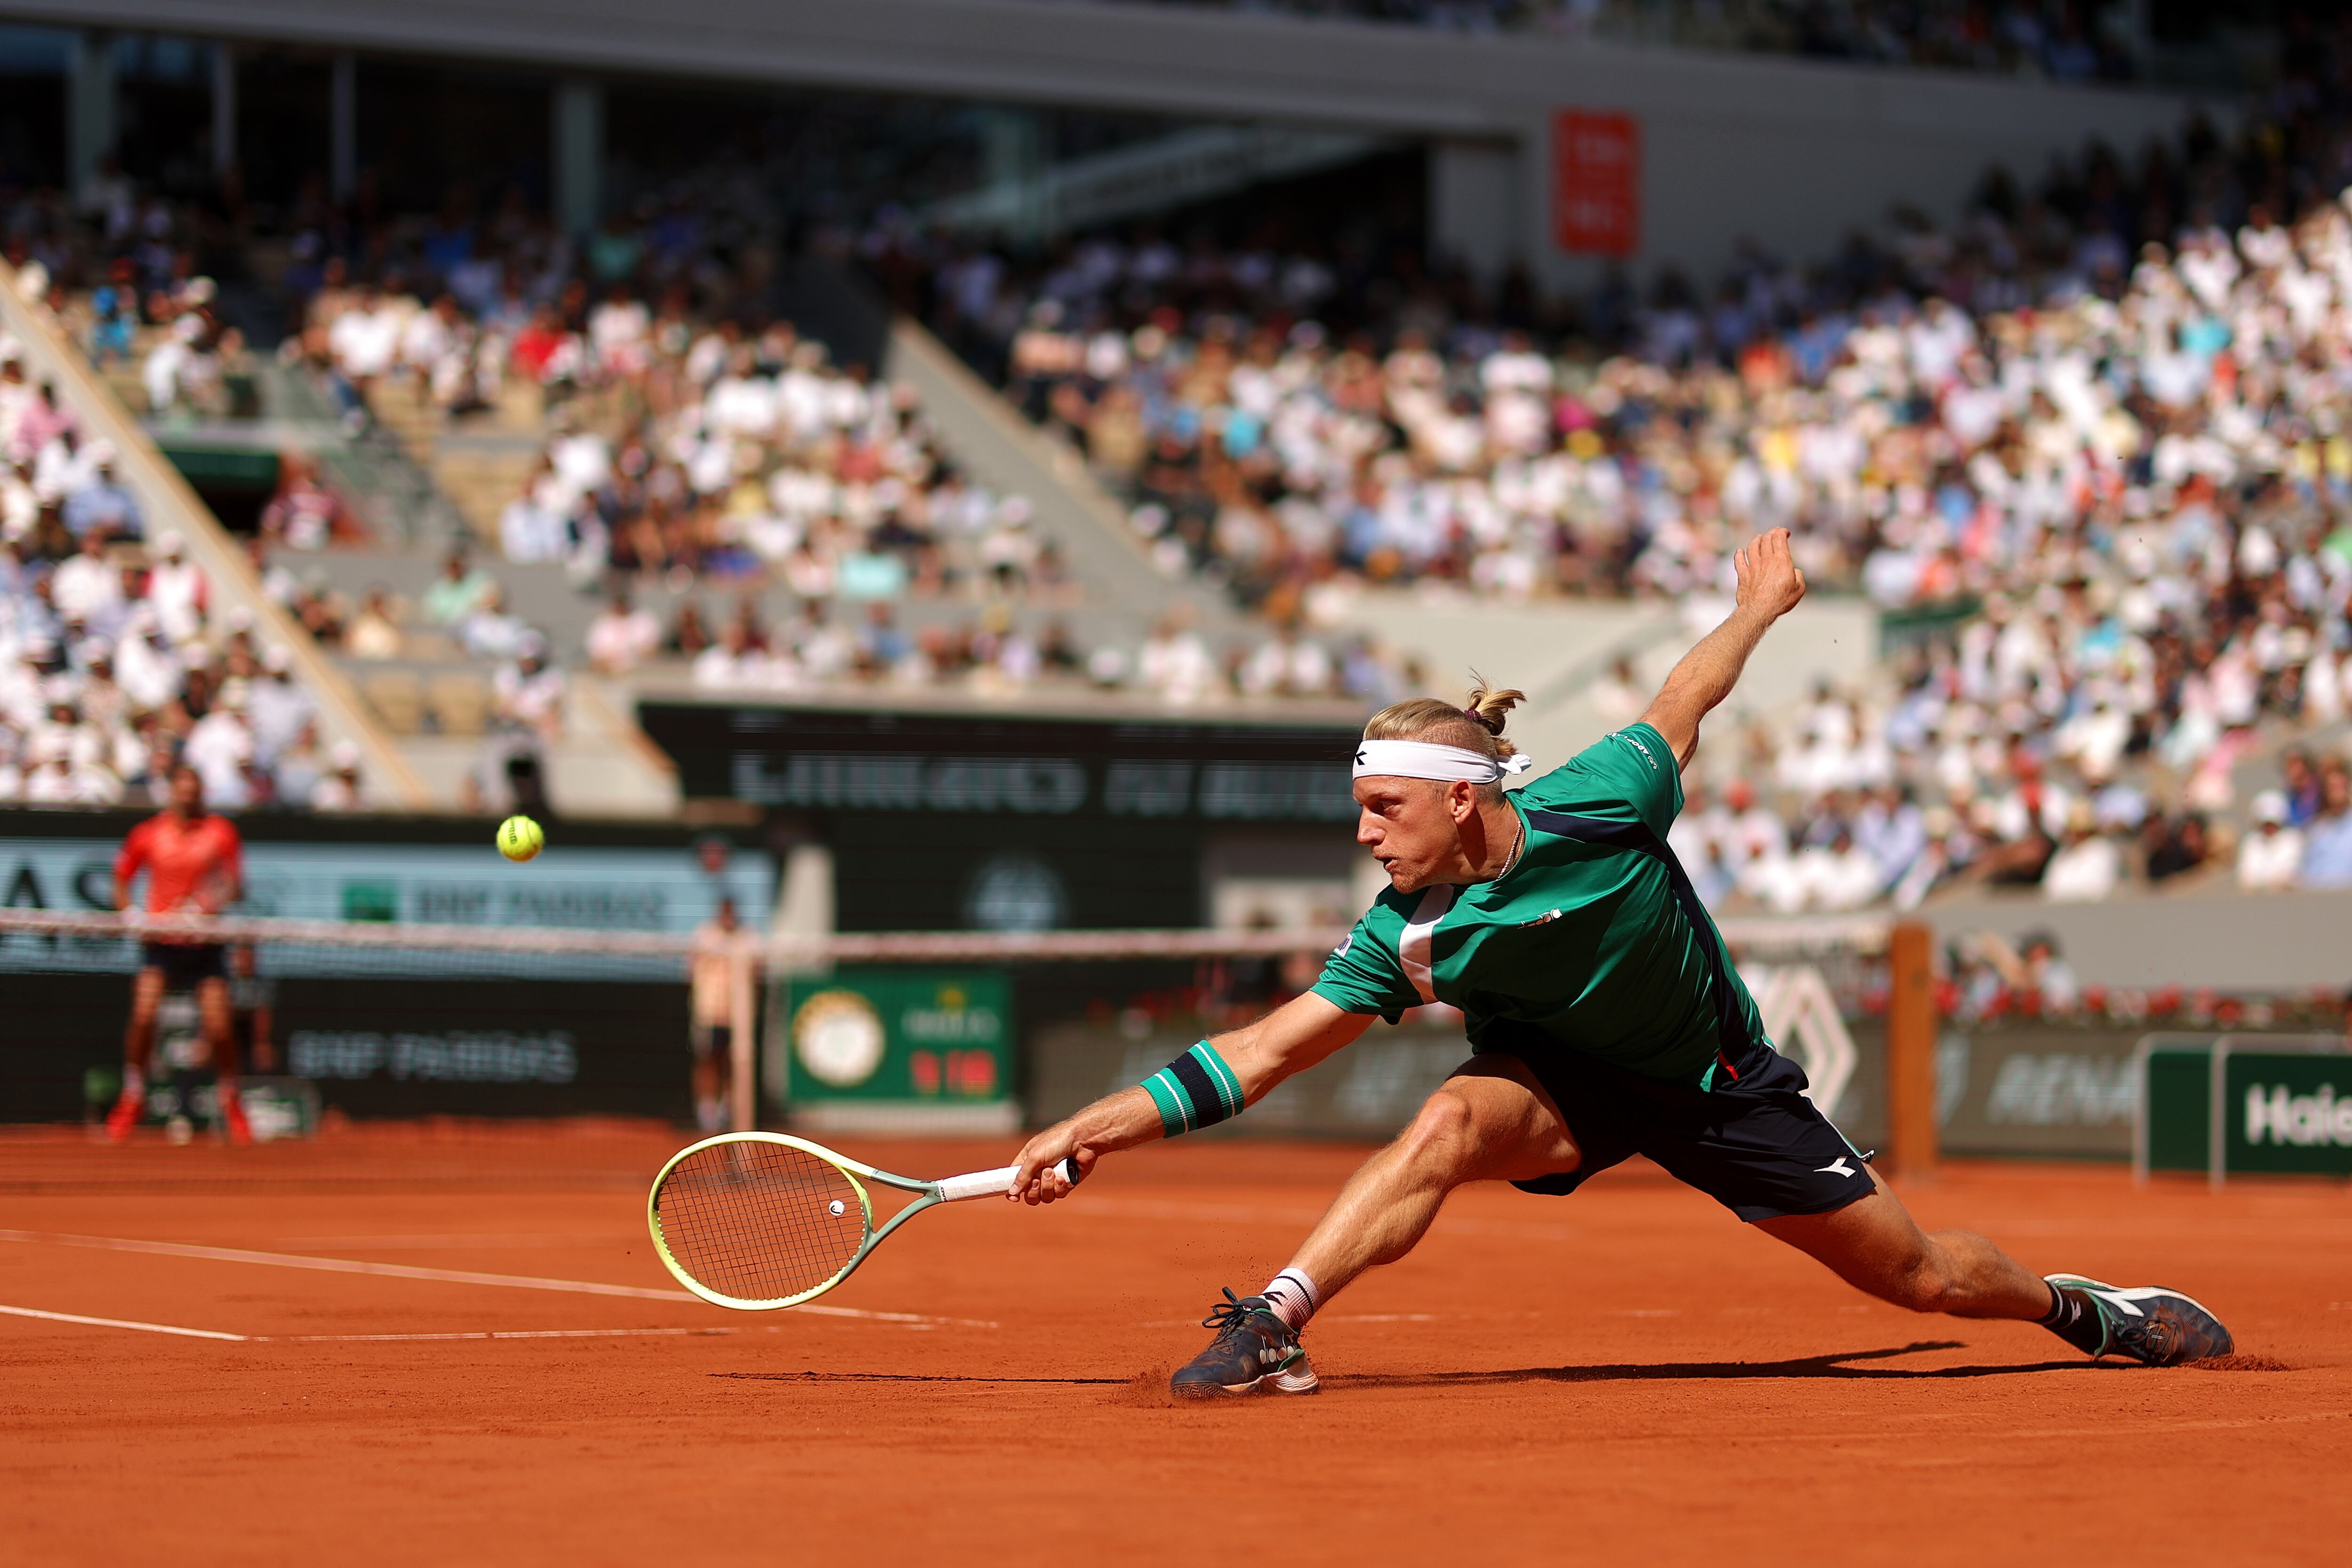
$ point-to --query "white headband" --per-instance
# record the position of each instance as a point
(1426, 760)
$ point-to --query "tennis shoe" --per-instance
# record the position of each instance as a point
(2147, 1323)
(1255, 1352)
(125, 1115)
(233, 1122)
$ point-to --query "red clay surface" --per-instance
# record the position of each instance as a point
(1627, 1376)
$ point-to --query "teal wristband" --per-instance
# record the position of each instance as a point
(1195, 1090)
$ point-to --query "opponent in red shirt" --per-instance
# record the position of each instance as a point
(195, 864)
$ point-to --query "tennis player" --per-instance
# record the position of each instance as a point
(194, 860)
(710, 998)
(1606, 1020)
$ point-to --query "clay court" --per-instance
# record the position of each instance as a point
(453, 1344)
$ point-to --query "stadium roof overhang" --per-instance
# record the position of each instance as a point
(1172, 60)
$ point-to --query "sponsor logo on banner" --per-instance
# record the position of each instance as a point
(2302, 1121)
(489, 1056)
(2064, 1090)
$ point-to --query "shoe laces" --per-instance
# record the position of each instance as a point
(1228, 1315)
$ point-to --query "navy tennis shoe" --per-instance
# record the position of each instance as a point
(2145, 1323)
(1255, 1352)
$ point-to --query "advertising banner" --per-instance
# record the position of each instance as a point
(589, 887)
(1596, 171)
(381, 1045)
(2246, 1105)
(2286, 1112)
(871, 1050)
(2021, 1090)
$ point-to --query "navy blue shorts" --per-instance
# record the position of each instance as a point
(185, 964)
(1756, 1144)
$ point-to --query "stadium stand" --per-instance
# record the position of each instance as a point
(2005, 435)
(2083, 444)
(133, 636)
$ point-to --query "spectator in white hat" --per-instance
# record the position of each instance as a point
(20, 509)
(279, 707)
(176, 588)
(2271, 855)
(85, 586)
(339, 790)
(146, 664)
(219, 748)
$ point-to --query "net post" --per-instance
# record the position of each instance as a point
(1911, 1052)
(742, 1012)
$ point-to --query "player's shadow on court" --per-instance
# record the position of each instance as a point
(1837, 1365)
(895, 1377)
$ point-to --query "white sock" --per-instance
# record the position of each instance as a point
(710, 1115)
(1291, 1296)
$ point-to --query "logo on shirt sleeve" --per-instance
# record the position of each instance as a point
(1635, 742)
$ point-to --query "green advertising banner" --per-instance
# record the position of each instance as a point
(891, 1048)
(2244, 1104)
(2287, 1114)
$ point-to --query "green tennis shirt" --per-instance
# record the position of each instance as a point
(1594, 937)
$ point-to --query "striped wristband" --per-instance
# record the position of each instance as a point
(1197, 1090)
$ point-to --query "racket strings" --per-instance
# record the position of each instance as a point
(759, 1222)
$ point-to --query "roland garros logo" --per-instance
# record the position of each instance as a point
(838, 1037)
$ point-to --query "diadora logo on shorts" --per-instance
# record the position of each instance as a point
(1837, 1167)
(2301, 1120)
(1637, 744)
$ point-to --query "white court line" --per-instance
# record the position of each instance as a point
(445, 1276)
(505, 1334)
(364, 1338)
(453, 1243)
(125, 1323)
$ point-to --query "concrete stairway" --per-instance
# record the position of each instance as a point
(423, 486)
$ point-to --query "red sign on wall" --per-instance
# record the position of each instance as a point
(1596, 183)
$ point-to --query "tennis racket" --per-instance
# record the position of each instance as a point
(759, 1220)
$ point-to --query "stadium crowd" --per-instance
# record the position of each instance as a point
(2089, 441)
(115, 665)
(722, 450)
(2086, 443)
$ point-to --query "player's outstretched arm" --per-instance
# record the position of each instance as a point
(1290, 1039)
(1769, 586)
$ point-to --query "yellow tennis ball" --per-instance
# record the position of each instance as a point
(520, 839)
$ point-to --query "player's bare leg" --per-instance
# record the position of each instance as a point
(710, 1090)
(138, 1045)
(220, 1037)
(1490, 1122)
(1875, 1245)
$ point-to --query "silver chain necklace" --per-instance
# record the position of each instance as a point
(1518, 844)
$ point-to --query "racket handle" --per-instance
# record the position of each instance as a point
(994, 1184)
